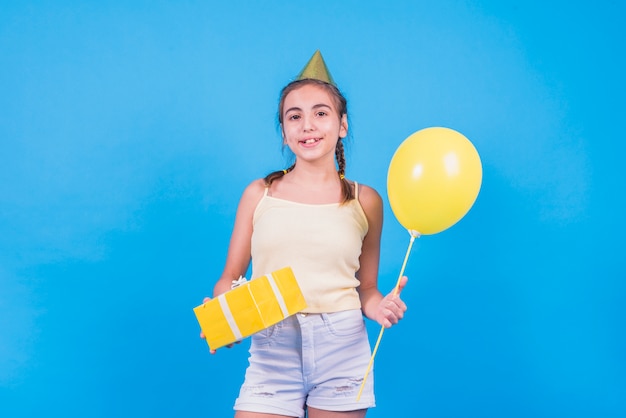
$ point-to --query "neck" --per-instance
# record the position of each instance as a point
(310, 183)
(309, 174)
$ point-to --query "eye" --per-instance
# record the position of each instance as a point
(293, 117)
(321, 113)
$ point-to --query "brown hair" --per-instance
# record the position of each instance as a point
(341, 104)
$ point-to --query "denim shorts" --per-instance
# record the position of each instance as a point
(318, 360)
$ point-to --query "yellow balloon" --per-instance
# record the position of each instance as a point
(433, 180)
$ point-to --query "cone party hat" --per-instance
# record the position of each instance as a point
(316, 69)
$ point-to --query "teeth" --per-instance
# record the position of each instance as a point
(310, 141)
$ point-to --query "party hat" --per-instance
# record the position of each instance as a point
(316, 68)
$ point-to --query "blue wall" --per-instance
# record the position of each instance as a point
(128, 132)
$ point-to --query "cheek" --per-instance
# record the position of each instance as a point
(289, 140)
(286, 136)
(289, 132)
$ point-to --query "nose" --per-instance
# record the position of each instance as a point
(307, 123)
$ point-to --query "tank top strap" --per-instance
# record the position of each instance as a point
(356, 191)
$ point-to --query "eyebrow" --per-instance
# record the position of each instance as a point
(317, 106)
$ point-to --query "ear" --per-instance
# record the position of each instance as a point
(282, 134)
(343, 126)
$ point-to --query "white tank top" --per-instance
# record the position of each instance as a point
(320, 242)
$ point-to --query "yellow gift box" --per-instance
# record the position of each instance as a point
(250, 308)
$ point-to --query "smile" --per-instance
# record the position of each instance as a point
(309, 141)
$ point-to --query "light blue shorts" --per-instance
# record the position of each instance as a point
(318, 360)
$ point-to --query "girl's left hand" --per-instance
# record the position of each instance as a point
(391, 308)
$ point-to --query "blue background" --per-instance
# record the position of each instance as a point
(129, 129)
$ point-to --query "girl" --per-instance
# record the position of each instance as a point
(327, 229)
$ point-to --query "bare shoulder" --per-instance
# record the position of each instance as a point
(253, 193)
(255, 187)
(370, 200)
(369, 196)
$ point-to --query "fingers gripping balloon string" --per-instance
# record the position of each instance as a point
(414, 234)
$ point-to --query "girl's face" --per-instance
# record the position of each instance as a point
(311, 124)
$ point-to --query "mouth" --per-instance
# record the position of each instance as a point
(310, 141)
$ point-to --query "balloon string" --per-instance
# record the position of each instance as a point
(414, 234)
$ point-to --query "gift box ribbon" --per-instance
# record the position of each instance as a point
(231, 319)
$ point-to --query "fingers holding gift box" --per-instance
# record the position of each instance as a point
(249, 308)
(212, 351)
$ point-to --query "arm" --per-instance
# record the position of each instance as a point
(238, 257)
(387, 310)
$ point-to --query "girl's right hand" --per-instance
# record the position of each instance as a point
(205, 300)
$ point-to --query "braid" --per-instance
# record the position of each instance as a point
(346, 187)
(269, 179)
(341, 159)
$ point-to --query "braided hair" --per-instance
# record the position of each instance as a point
(342, 108)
